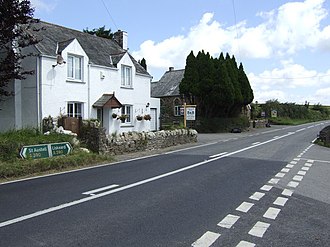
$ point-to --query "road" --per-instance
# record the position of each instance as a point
(266, 187)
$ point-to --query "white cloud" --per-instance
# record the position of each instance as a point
(286, 30)
(42, 5)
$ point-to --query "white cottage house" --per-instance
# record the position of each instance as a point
(81, 75)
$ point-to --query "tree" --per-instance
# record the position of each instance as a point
(246, 90)
(143, 63)
(16, 22)
(100, 32)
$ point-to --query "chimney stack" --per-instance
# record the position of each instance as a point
(170, 69)
(121, 38)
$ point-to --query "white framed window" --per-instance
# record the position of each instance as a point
(177, 109)
(75, 67)
(126, 76)
(127, 110)
(75, 109)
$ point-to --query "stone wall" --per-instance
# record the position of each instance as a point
(128, 142)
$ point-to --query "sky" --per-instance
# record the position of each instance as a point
(284, 46)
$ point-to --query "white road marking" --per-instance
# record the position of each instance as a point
(257, 196)
(228, 221)
(245, 244)
(217, 155)
(293, 184)
(296, 159)
(289, 166)
(287, 192)
(255, 143)
(310, 161)
(285, 170)
(280, 175)
(266, 187)
(280, 201)
(206, 240)
(92, 192)
(308, 164)
(273, 181)
(303, 173)
(298, 178)
(293, 162)
(76, 202)
(259, 229)
(305, 168)
(245, 207)
(272, 213)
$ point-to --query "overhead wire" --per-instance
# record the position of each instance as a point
(105, 6)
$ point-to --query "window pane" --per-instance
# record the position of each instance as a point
(70, 110)
(78, 68)
(70, 66)
(77, 109)
(128, 113)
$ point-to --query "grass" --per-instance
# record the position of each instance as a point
(12, 166)
(288, 121)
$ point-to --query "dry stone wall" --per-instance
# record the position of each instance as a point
(129, 142)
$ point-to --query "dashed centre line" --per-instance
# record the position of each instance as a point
(257, 196)
(266, 187)
(287, 192)
(280, 201)
(259, 229)
(245, 244)
(245, 207)
(293, 184)
(272, 213)
(298, 178)
(206, 240)
(228, 221)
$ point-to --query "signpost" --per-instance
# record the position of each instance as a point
(45, 150)
(189, 113)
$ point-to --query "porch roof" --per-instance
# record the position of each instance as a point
(107, 100)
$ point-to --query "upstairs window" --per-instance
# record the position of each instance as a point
(126, 76)
(75, 109)
(74, 64)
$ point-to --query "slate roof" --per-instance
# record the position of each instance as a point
(168, 85)
(98, 49)
(107, 100)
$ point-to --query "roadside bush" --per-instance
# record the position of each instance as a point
(218, 125)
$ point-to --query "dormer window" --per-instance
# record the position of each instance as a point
(75, 70)
(126, 76)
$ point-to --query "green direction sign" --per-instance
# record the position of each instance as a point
(58, 149)
(45, 150)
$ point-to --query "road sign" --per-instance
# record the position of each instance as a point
(190, 113)
(45, 150)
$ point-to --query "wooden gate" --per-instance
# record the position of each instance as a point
(72, 123)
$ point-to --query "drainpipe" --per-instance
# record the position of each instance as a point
(89, 90)
(39, 88)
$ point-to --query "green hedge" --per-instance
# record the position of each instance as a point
(218, 125)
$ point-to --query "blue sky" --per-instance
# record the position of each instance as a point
(283, 45)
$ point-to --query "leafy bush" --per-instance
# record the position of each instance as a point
(218, 125)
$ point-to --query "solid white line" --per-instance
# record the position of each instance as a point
(303, 173)
(257, 196)
(280, 201)
(310, 161)
(245, 244)
(272, 213)
(293, 184)
(217, 155)
(298, 178)
(255, 143)
(274, 181)
(206, 240)
(287, 192)
(100, 189)
(228, 221)
(259, 229)
(245, 207)
(266, 187)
